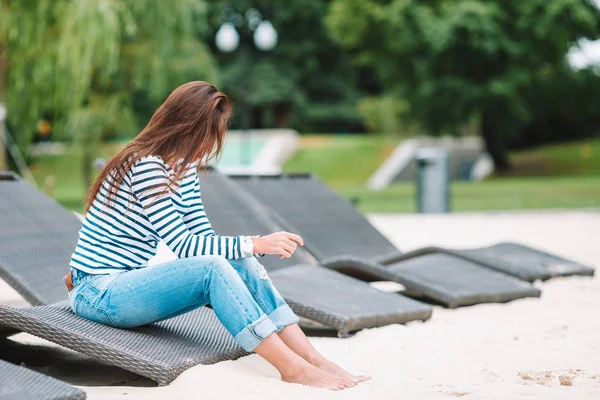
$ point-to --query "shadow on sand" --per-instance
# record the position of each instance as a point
(69, 366)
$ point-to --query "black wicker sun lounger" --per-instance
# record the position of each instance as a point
(160, 351)
(521, 261)
(313, 292)
(37, 237)
(20, 383)
(341, 238)
(304, 200)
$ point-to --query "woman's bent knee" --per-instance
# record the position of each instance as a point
(206, 259)
(221, 264)
(250, 268)
(208, 264)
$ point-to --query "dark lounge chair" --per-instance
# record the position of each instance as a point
(37, 237)
(341, 238)
(317, 293)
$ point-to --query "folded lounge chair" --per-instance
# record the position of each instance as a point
(160, 351)
(20, 383)
(341, 238)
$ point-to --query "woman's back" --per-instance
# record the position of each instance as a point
(121, 235)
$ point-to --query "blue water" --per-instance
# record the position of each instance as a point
(241, 151)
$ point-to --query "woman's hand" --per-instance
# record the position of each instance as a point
(282, 243)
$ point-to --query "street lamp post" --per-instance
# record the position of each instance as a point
(227, 40)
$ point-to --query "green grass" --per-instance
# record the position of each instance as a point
(342, 160)
(496, 194)
(568, 159)
(65, 171)
(558, 176)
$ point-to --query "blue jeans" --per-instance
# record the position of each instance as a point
(239, 291)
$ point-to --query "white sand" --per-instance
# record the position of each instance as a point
(495, 351)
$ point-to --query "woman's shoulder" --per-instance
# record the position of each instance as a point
(155, 163)
(150, 161)
(147, 167)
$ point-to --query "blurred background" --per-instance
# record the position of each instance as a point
(500, 98)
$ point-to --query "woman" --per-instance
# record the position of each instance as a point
(149, 192)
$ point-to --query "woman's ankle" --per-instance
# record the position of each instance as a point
(314, 358)
(294, 369)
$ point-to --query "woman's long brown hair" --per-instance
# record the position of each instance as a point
(189, 126)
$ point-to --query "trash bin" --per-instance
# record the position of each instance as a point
(433, 180)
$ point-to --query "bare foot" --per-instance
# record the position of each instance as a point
(336, 370)
(312, 376)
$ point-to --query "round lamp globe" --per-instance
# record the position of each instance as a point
(265, 36)
(227, 38)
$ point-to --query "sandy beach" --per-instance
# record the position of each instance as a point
(546, 348)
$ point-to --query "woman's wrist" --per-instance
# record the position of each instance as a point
(257, 241)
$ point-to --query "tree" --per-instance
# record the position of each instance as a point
(456, 60)
(84, 61)
(307, 81)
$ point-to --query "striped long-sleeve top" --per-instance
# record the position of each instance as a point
(125, 233)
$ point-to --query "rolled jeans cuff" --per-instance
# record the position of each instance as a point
(252, 335)
(283, 316)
